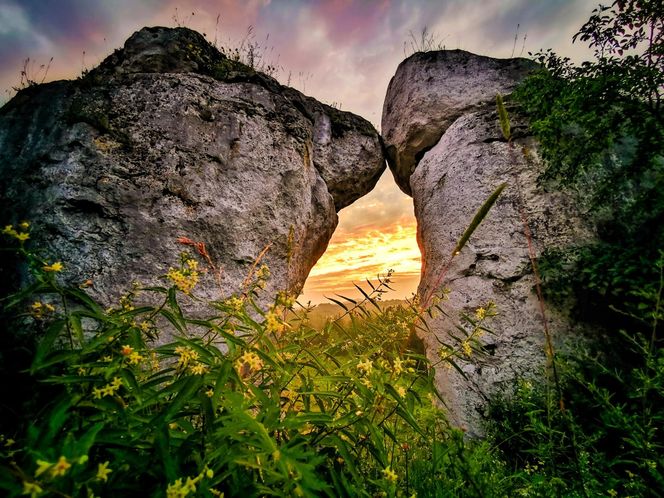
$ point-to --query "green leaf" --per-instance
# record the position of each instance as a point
(503, 118)
(47, 345)
(185, 394)
(479, 216)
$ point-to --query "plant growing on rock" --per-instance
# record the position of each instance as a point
(241, 402)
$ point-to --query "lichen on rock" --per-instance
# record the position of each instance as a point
(168, 138)
(449, 153)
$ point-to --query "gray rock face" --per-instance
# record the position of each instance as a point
(429, 91)
(167, 138)
(453, 179)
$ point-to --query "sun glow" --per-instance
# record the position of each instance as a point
(364, 253)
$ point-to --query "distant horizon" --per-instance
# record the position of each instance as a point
(341, 52)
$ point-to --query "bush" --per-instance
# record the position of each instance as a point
(239, 403)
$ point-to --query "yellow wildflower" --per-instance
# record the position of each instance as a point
(32, 488)
(263, 272)
(209, 393)
(390, 475)
(23, 236)
(9, 229)
(398, 366)
(235, 304)
(42, 466)
(250, 360)
(103, 471)
(468, 351)
(185, 278)
(144, 326)
(186, 355)
(24, 225)
(61, 467)
(198, 369)
(179, 489)
(55, 267)
(365, 366)
(135, 358)
(109, 389)
(126, 350)
(480, 313)
(273, 324)
(285, 299)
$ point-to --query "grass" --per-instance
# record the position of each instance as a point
(240, 402)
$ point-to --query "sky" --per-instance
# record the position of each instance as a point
(342, 52)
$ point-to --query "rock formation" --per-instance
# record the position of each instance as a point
(168, 138)
(446, 148)
(429, 91)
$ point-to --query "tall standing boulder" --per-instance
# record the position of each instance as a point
(168, 138)
(446, 148)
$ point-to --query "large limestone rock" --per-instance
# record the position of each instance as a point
(429, 91)
(168, 138)
(454, 177)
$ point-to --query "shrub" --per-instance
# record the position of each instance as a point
(240, 403)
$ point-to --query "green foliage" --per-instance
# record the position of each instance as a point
(601, 130)
(503, 118)
(241, 402)
(602, 134)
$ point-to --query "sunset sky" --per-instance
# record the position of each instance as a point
(338, 51)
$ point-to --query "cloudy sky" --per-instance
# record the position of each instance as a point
(342, 52)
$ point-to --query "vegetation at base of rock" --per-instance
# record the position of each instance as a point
(601, 130)
(242, 402)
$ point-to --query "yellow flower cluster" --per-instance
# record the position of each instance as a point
(398, 366)
(235, 304)
(249, 360)
(186, 356)
(109, 389)
(263, 273)
(467, 349)
(56, 469)
(186, 277)
(20, 236)
(126, 302)
(285, 299)
(481, 313)
(55, 267)
(390, 475)
(365, 367)
(32, 488)
(273, 324)
(39, 309)
(198, 369)
(103, 471)
(133, 357)
(179, 489)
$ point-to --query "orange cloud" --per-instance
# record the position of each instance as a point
(364, 253)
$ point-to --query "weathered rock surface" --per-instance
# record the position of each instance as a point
(450, 183)
(168, 138)
(429, 91)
